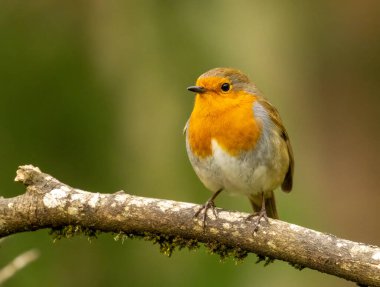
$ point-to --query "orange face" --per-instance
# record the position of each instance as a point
(224, 114)
(216, 86)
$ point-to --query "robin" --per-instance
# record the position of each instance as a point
(236, 141)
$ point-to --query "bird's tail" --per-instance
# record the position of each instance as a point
(270, 204)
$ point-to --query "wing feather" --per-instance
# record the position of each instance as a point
(276, 119)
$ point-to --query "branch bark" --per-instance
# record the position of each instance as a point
(48, 203)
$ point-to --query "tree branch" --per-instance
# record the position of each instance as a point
(49, 203)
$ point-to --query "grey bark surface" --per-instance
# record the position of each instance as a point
(48, 203)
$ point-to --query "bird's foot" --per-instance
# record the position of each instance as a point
(204, 208)
(257, 216)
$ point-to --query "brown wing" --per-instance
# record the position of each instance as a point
(275, 117)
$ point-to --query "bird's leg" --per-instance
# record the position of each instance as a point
(208, 205)
(260, 214)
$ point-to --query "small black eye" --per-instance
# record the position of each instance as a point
(225, 87)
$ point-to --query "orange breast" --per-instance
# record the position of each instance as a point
(229, 121)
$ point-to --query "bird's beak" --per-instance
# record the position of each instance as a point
(196, 89)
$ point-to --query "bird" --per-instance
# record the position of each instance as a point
(236, 141)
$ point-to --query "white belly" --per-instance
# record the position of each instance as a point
(250, 173)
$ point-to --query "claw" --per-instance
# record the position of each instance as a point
(205, 207)
(258, 215)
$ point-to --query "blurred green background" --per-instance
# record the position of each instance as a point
(94, 93)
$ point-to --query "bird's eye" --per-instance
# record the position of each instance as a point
(225, 87)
